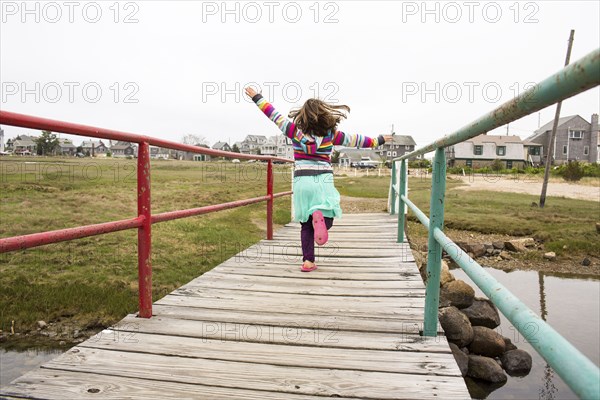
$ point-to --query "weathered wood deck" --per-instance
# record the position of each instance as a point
(255, 327)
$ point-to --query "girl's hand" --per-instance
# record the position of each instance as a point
(250, 92)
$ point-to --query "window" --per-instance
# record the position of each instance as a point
(576, 135)
(469, 163)
(389, 153)
(501, 150)
(565, 149)
(586, 150)
(534, 151)
(478, 150)
(394, 154)
(508, 164)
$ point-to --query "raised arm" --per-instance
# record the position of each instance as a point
(355, 140)
(287, 127)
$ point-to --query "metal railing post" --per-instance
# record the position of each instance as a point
(144, 232)
(401, 207)
(434, 249)
(270, 200)
(393, 192)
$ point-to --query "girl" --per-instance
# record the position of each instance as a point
(313, 131)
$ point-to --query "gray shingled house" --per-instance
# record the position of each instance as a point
(576, 139)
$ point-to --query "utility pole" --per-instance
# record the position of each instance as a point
(550, 146)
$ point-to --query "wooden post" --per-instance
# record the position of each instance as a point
(550, 146)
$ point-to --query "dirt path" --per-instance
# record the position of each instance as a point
(528, 185)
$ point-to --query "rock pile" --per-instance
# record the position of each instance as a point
(469, 324)
(499, 250)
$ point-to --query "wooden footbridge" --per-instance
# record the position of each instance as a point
(255, 327)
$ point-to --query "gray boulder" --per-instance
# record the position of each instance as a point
(486, 342)
(508, 345)
(446, 276)
(461, 359)
(516, 362)
(498, 245)
(478, 250)
(457, 293)
(482, 313)
(485, 368)
(519, 245)
(456, 325)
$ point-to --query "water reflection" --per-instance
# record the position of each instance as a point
(555, 299)
(13, 363)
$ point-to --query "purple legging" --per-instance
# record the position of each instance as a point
(307, 236)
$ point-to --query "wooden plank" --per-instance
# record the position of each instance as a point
(257, 333)
(346, 264)
(441, 364)
(262, 259)
(216, 276)
(265, 257)
(308, 286)
(408, 322)
(293, 303)
(404, 269)
(293, 380)
(291, 272)
(58, 385)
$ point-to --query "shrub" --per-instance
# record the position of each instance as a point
(497, 165)
(573, 172)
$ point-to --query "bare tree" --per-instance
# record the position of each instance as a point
(194, 139)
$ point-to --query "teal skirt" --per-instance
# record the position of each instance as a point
(312, 193)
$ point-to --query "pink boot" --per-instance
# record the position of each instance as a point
(318, 221)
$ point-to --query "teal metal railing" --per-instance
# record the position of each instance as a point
(581, 374)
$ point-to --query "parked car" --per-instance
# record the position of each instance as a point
(79, 155)
(235, 160)
(367, 165)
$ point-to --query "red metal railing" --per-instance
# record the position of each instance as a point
(143, 222)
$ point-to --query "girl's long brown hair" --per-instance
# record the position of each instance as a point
(317, 117)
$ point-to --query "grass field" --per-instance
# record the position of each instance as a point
(565, 225)
(95, 279)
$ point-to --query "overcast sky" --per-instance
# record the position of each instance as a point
(167, 69)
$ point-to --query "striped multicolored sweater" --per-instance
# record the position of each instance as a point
(313, 153)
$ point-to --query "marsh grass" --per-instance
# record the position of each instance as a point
(566, 226)
(95, 278)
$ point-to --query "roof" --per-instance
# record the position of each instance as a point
(356, 154)
(220, 145)
(88, 143)
(547, 127)
(65, 143)
(405, 140)
(121, 146)
(528, 143)
(255, 138)
(498, 140)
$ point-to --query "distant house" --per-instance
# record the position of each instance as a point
(124, 149)
(191, 156)
(223, 146)
(481, 151)
(94, 147)
(400, 145)
(576, 139)
(252, 144)
(66, 147)
(278, 146)
(23, 145)
(350, 157)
